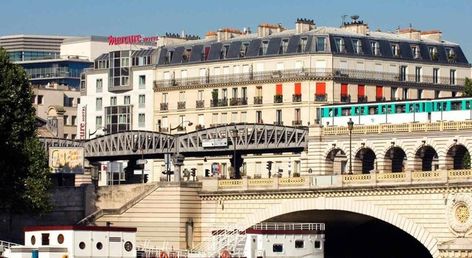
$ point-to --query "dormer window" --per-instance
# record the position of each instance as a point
(283, 46)
(244, 48)
(395, 50)
(433, 53)
(357, 46)
(224, 51)
(451, 55)
(186, 55)
(302, 45)
(340, 45)
(415, 52)
(375, 48)
(321, 44)
(169, 56)
(263, 48)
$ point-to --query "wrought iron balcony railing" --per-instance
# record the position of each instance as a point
(297, 122)
(258, 100)
(328, 74)
(200, 103)
(181, 105)
(346, 98)
(321, 97)
(296, 98)
(164, 106)
(362, 99)
(278, 98)
(219, 102)
(238, 101)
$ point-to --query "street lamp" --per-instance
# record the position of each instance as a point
(178, 159)
(350, 126)
(103, 129)
(234, 134)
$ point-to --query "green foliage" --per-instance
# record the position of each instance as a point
(23, 164)
(468, 87)
(466, 160)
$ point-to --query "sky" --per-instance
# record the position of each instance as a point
(156, 17)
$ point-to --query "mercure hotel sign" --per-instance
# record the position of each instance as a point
(130, 39)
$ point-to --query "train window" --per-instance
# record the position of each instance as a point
(372, 110)
(317, 244)
(467, 104)
(400, 108)
(277, 248)
(456, 105)
(299, 244)
(346, 111)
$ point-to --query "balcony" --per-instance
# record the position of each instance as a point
(362, 99)
(346, 98)
(258, 100)
(341, 75)
(199, 127)
(219, 102)
(297, 123)
(296, 98)
(379, 99)
(238, 101)
(200, 103)
(278, 98)
(181, 105)
(163, 129)
(321, 97)
(278, 123)
(164, 106)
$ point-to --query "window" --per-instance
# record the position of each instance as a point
(278, 117)
(141, 120)
(297, 115)
(317, 244)
(99, 246)
(340, 44)
(420, 93)
(142, 81)
(375, 48)
(235, 92)
(393, 93)
(415, 51)
(320, 44)
(258, 91)
(402, 73)
(452, 77)
(277, 248)
(66, 120)
(74, 120)
(98, 104)
(259, 117)
(244, 92)
(283, 46)
(127, 100)
(98, 122)
(40, 99)
(263, 49)
(60, 237)
(302, 45)
(45, 239)
(405, 93)
(99, 85)
(435, 75)
(142, 100)
(395, 50)
(164, 98)
(299, 244)
(200, 95)
(418, 74)
(357, 43)
(112, 101)
(72, 136)
(433, 53)
(436, 94)
(82, 245)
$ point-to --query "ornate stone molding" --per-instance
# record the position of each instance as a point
(459, 213)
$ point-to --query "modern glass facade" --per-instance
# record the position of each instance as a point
(17, 56)
(118, 118)
(61, 71)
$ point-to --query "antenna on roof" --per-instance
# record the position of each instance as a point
(343, 17)
(355, 17)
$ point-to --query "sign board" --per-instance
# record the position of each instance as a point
(66, 159)
(131, 39)
(83, 123)
(213, 143)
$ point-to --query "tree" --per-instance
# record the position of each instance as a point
(24, 170)
(468, 87)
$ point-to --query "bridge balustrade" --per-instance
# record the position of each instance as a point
(341, 181)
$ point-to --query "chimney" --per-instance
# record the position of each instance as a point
(266, 29)
(432, 35)
(211, 35)
(227, 33)
(356, 25)
(410, 33)
(304, 25)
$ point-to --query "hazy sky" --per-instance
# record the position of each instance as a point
(155, 17)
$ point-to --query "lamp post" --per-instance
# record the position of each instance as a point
(103, 129)
(350, 126)
(234, 134)
(178, 159)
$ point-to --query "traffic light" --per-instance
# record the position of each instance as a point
(269, 165)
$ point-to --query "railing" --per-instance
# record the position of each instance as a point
(297, 122)
(296, 98)
(346, 98)
(164, 106)
(321, 97)
(362, 99)
(238, 101)
(289, 226)
(258, 100)
(346, 180)
(219, 102)
(399, 128)
(8, 245)
(200, 104)
(278, 98)
(181, 105)
(304, 73)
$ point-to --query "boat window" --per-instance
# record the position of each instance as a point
(299, 244)
(99, 245)
(277, 248)
(318, 244)
(60, 239)
(82, 245)
(45, 239)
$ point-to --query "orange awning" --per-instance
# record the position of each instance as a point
(343, 89)
(298, 88)
(278, 89)
(379, 91)
(361, 90)
(320, 88)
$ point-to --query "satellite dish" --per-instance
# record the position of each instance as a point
(355, 17)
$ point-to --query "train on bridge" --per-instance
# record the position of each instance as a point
(395, 112)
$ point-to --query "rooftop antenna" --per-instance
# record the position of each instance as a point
(355, 17)
(343, 17)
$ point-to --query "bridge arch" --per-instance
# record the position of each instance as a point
(456, 156)
(321, 203)
(335, 161)
(394, 159)
(426, 158)
(365, 160)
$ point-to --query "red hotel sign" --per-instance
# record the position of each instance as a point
(130, 39)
